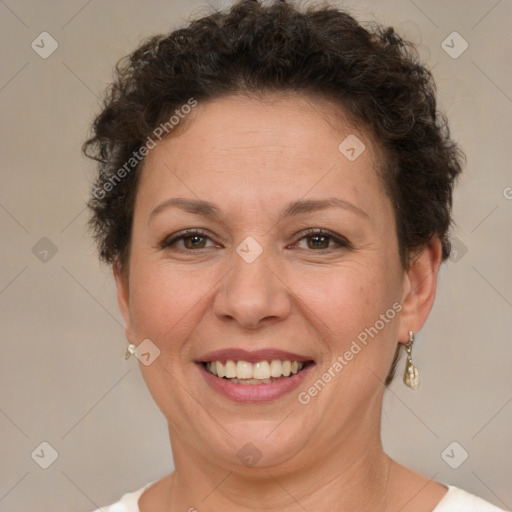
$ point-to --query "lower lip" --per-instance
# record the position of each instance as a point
(254, 393)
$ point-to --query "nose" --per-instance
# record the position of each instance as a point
(252, 294)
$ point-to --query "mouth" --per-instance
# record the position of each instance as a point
(261, 372)
(259, 376)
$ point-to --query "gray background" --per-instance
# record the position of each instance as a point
(63, 377)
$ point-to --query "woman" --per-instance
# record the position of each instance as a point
(274, 196)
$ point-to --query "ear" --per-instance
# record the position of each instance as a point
(123, 299)
(420, 284)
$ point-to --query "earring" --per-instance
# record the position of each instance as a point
(412, 374)
(130, 351)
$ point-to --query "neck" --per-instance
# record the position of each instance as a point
(352, 475)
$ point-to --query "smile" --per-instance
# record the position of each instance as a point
(262, 372)
(253, 376)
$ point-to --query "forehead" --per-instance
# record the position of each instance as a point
(274, 147)
(276, 120)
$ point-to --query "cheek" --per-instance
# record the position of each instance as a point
(166, 303)
(347, 298)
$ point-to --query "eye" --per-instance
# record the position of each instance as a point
(192, 239)
(195, 239)
(320, 239)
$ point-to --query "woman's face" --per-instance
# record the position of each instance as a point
(255, 280)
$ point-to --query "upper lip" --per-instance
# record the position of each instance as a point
(238, 354)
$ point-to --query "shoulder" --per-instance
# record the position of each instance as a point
(458, 500)
(129, 502)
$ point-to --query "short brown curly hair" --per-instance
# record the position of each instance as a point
(372, 73)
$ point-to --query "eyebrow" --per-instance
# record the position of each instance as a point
(299, 207)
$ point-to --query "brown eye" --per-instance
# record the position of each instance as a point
(318, 242)
(192, 239)
(321, 240)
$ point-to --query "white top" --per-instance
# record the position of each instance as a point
(455, 500)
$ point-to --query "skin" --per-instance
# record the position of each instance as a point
(251, 157)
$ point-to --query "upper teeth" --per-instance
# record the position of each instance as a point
(261, 370)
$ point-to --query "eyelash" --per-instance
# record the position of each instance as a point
(309, 233)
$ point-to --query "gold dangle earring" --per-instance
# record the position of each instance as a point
(412, 374)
